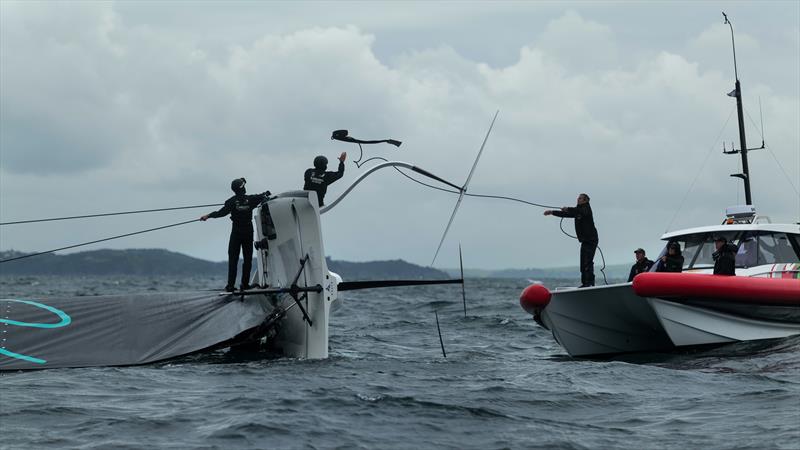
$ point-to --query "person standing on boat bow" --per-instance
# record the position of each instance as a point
(317, 179)
(585, 232)
(240, 207)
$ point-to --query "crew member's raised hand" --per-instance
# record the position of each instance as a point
(343, 156)
(204, 217)
(548, 212)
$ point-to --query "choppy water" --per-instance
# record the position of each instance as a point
(504, 384)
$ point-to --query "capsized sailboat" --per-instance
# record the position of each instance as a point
(288, 313)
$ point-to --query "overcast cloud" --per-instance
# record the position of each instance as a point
(116, 106)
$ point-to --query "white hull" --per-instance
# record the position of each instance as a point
(604, 320)
(298, 235)
(689, 325)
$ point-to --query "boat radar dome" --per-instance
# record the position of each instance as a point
(740, 214)
(320, 162)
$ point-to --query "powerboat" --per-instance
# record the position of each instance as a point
(663, 311)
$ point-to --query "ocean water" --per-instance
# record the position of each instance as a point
(505, 383)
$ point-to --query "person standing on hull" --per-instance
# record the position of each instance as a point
(317, 179)
(642, 264)
(240, 207)
(586, 233)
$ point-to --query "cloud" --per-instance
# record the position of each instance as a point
(103, 113)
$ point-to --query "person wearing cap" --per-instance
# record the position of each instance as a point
(240, 207)
(585, 232)
(673, 260)
(724, 257)
(318, 180)
(642, 264)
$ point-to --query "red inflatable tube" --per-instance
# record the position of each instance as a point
(756, 290)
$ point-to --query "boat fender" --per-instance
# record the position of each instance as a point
(534, 298)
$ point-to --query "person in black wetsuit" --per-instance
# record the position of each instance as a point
(642, 264)
(724, 257)
(586, 233)
(317, 179)
(673, 260)
(240, 207)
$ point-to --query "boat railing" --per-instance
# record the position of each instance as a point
(774, 272)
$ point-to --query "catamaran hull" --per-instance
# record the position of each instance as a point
(603, 321)
(689, 325)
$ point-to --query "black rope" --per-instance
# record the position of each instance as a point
(109, 214)
(99, 240)
(560, 225)
(472, 195)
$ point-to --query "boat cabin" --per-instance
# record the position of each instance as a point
(764, 248)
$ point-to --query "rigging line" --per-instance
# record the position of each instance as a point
(475, 195)
(109, 214)
(99, 240)
(782, 170)
(761, 131)
(691, 186)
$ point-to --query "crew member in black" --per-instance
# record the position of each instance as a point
(673, 260)
(586, 233)
(317, 179)
(642, 264)
(724, 257)
(240, 207)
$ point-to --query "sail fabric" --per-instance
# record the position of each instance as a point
(120, 329)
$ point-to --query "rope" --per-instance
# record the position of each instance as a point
(474, 195)
(691, 186)
(99, 240)
(109, 214)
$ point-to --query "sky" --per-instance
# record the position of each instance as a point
(116, 106)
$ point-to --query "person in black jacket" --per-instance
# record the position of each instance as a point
(586, 233)
(642, 264)
(240, 207)
(673, 260)
(724, 257)
(317, 179)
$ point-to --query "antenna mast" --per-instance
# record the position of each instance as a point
(737, 92)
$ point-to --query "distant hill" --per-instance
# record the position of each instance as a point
(110, 262)
(151, 262)
(613, 271)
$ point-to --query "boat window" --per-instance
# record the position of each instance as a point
(698, 249)
(773, 248)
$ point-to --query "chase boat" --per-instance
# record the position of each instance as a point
(663, 311)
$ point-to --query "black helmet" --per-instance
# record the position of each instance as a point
(320, 162)
(237, 185)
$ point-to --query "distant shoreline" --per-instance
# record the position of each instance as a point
(168, 263)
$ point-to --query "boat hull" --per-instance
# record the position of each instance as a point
(689, 325)
(604, 320)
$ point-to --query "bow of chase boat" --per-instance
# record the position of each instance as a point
(662, 311)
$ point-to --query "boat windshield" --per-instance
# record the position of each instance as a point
(765, 247)
(755, 248)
